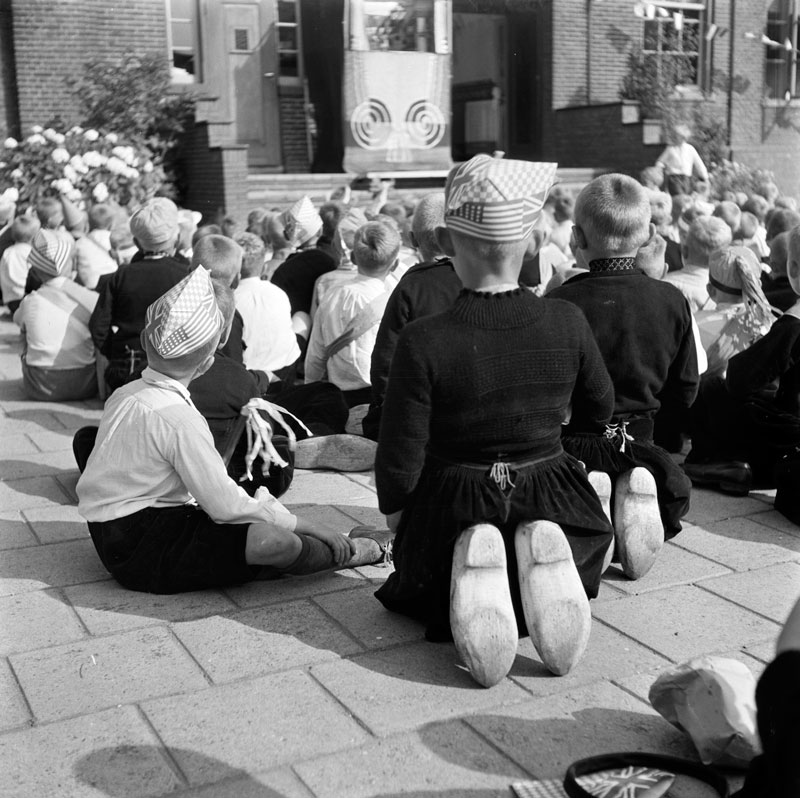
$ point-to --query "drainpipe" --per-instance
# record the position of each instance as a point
(588, 52)
(729, 121)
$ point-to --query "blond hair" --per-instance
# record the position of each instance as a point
(375, 247)
(614, 213)
(705, 234)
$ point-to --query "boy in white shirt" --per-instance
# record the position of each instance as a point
(14, 262)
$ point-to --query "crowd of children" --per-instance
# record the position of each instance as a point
(520, 365)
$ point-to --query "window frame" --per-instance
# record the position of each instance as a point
(700, 80)
(783, 60)
(198, 77)
(289, 80)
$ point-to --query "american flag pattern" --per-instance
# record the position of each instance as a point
(629, 782)
(496, 199)
(184, 318)
(50, 252)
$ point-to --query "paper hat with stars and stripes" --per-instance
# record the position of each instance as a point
(301, 222)
(496, 200)
(185, 318)
(51, 253)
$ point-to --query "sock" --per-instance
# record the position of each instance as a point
(314, 556)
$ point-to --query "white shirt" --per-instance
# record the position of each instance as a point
(683, 159)
(268, 334)
(343, 273)
(55, 321)
(692, 281)
(14, 271)
(349, 367)
(154, 449)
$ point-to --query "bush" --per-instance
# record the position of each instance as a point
(134, 94)
(81, 164)
(734, 176)
(651, 82)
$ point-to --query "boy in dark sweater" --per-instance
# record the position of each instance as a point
(643, 328)
(498, 529)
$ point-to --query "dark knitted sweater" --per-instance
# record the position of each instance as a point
(644, 330)
(770, 368)
(492, 376)
(298, 274)
(124, 298)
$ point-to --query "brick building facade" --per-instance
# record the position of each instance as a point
(547, 87)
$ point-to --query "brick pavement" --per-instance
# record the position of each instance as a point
(307, 687)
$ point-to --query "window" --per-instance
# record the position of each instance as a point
(183, 36)
(781, 72)
(289, 39)
(672, 37)
(419, 26)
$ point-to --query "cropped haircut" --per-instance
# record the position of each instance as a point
(428, 216)
(491, 251)
(564, 208)
(651, 177)
(758, 206)
(748, 227)
(274, 232)
(375, 247)
(660, 208)
(794, 245)
(255, 220)
(24, 228)
(206, 230)
(101, 217)
(614, 213)
(781, 221)
(705, 234)
(331, 214)
(730, 213)
(254, 254)
(220, 255)
(50, 212)
(779, 254)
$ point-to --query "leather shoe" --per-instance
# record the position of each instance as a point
(734, 476)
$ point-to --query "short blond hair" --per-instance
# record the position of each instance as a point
(705, 234)
(613, 211)
(375, 246)
(220, 255)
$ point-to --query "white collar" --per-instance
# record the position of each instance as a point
(153, 377)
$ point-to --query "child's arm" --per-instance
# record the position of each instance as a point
(683, 378)
(405, 424)
(100, 322)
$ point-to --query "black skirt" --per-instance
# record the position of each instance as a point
(451, 497)
(673, 487)
(173, 550)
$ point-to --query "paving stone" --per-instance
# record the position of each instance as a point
(363, 478)
(280, 783)
(756, 545)
(101, 672)
(545, 736)
(367, 619)
(327, 487)
(258, 641)
(112, 753)
(776, 520)
(32, 492)
(366, 516)
(13, 709)
(608, 655)
(770, 591)
(324, 514)
(609, 588)
(21, 422)
(34, 465)
(52, 441)
(708, 505)
(19, 444)
(255, 725)
(36, 619)
(681, 622)
(14, 531)
(56, 524)
(290, 588)
(38, 567)
(406, 687)
(763, 652)
(448, 759)
(674, 566)
(73, 421)
(108, 607)
(67, 480)
(11, 389)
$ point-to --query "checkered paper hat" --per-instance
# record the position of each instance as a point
(495, 199)
(51, 253)
(301, 221)
(184, 318)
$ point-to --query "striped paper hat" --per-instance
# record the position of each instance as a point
(51, 253)
(185, 318)
(496, 200)
(301, 222)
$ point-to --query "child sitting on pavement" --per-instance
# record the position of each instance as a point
(498, 528)
(154, 453)
(643, 328)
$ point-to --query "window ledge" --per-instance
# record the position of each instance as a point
(768, 102)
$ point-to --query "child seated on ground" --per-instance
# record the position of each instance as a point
(58, 361)
(154, 452)
(14, 261)
(742, 314)
(643, 328)
(743, 424)
(498, 528)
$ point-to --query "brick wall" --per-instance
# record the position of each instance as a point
(9, 115)
(594, 137)
(54, 38)
(293, 129)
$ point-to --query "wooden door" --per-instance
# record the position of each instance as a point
(251, 53)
